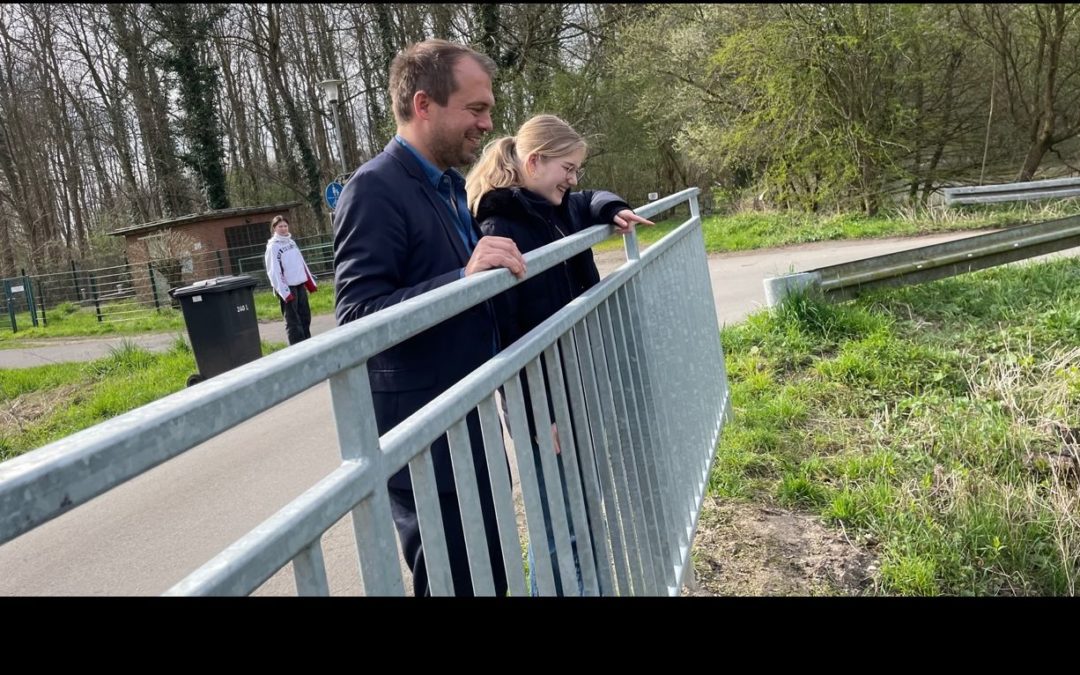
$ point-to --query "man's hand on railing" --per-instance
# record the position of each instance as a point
(624, 221)
(492, 252)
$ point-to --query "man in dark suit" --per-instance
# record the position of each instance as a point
(402, 227)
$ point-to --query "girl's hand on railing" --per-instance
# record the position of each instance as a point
(624, 221)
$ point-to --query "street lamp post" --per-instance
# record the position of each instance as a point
(330, 91)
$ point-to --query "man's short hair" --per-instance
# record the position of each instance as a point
(428, 66)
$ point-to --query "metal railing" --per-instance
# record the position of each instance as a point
(1012, 192)
(928, 263)
(638, 418)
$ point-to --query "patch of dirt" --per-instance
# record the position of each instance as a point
(749, 550)
(609, 261)
(1064, 464)
(24, 410)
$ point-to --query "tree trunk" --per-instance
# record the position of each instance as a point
(298, 125)
(185, 30)
(145, 90)
(1037, 150)
(307, 67)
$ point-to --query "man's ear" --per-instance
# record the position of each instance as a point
(421, 103)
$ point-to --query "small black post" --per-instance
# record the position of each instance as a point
(31, 306)
(75, 281)
(153, 286)
(97, 304)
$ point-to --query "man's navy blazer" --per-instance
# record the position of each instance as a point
(394, 238)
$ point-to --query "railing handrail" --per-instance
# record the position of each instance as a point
(935, 261)
(1008, 192)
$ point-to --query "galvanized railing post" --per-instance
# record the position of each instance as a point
(354, 416)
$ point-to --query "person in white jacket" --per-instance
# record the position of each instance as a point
(291, 279)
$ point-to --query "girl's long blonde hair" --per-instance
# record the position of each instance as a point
(502, 163)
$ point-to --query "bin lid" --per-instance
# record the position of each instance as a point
(215, 285)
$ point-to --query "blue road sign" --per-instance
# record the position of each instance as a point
(333, 190)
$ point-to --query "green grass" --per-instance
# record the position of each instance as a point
(754, 230)
(930, 420)
(43, 404)
(268, 305)
(70, 320)
(17, 381)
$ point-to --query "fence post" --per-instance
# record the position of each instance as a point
(28, 290)
(41, 299)
(75, 282)
(10, 306)
(153, 286)
(97, 304)
(28, 297)
(220, 264)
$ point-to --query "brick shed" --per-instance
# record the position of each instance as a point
(199, 246)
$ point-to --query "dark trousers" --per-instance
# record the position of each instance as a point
(549, 530)
(297, 315)
(403, 507)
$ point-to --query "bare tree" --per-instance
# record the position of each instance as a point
(1037, 52)
(144, 86)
